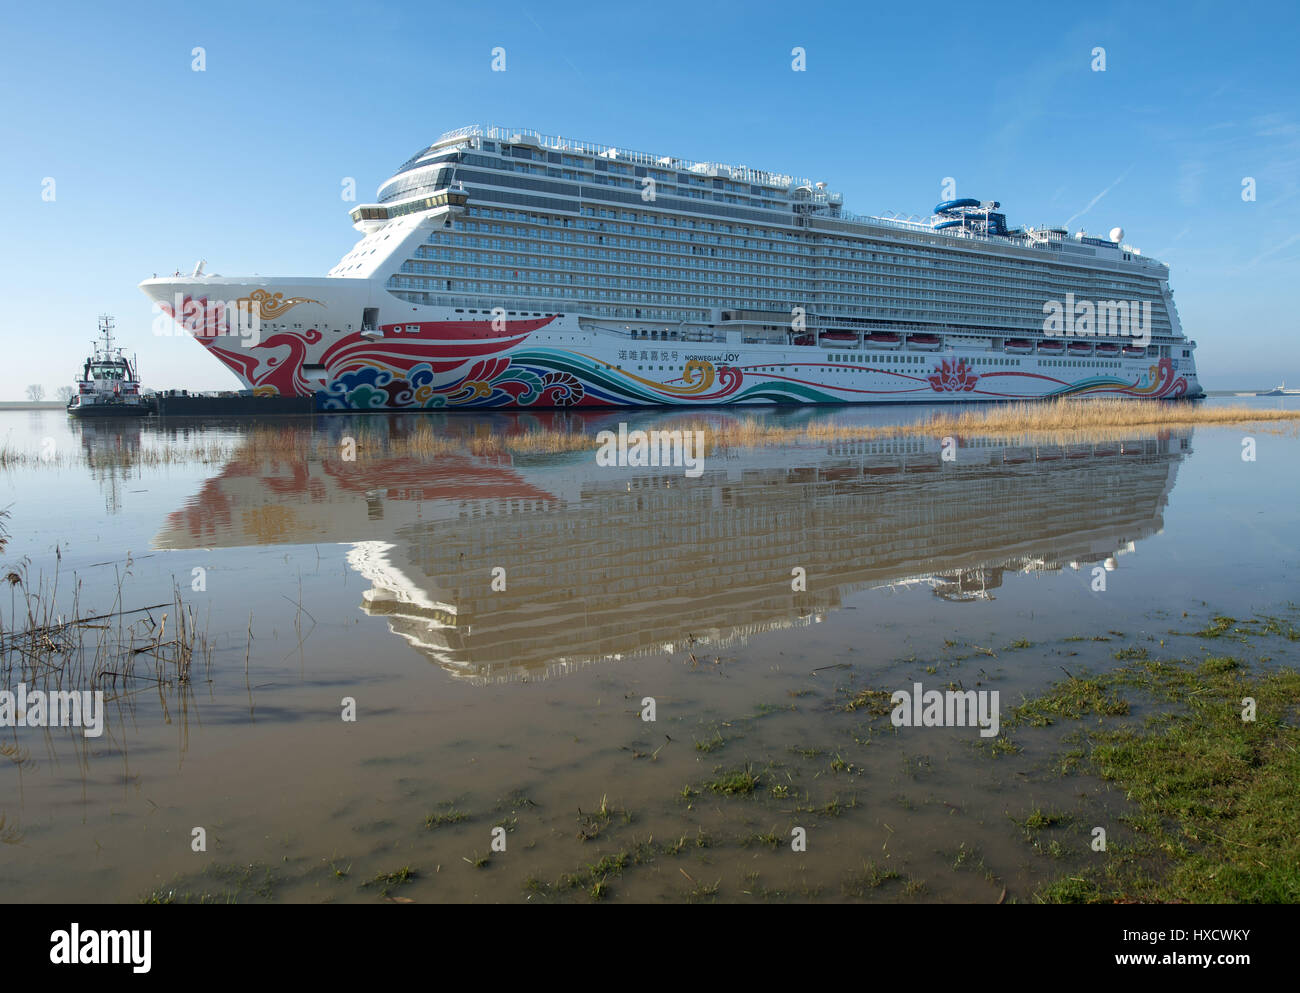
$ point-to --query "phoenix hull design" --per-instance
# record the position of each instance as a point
(604, 598)
(784, 300)
(538, 362)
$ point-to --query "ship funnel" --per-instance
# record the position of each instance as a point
(198, 268)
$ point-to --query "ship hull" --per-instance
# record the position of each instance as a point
(318, 344)
(111, 410)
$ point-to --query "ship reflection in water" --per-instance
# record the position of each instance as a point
(607, 563)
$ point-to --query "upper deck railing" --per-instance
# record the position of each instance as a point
(741, 174)
(816, 194)
(1042, 240)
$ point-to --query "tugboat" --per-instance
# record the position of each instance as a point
(108, 386)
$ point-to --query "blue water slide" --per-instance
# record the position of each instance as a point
(950, 205)
(950, 223)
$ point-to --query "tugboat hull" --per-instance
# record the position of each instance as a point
(111, 410)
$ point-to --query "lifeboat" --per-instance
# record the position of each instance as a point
(1019, 345)
(839, 336)
(1134, 351)
(1107, 349)
(885, 338)
(804, 339)
(1051, 347)
(1080, 348)
(923, 340)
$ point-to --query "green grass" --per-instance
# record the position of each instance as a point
(1217, 628)
(445, 817)
(712, 744)
(870, 877)
(735, 782)
(1263, 624)
(1073, 698)
(590, 826)
(770, 838)
(1038, 820)
(705, 892)
(840, 764)
(255, 882)
(807, 753)
(595, 877)
(833, 807)
(1215, 817)
(874, 702)
(386, 881)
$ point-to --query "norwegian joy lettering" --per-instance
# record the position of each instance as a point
(728, 357)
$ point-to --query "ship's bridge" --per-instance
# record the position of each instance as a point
(371, 216)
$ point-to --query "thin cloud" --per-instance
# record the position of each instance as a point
(1177, 238)
(541, 30)
(1097, 199)
(1272, 251)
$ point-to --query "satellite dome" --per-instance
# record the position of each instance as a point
(1117, 235)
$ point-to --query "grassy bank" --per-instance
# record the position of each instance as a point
(1215, 817)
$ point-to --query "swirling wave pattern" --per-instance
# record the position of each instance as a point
(447, 372)
(556, 379)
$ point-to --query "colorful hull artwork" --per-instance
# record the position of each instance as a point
(469, 364)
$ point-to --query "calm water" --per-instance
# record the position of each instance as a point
(520, 707)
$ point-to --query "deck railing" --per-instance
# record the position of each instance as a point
(514, 135)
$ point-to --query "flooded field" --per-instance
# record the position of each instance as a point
(430, 679)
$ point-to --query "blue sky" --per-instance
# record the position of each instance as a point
(156, 166)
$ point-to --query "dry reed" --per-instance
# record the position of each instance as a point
(50, 648)
(1058, 421)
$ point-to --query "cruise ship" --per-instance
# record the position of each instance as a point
(505, 268)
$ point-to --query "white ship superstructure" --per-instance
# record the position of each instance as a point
(506, 268)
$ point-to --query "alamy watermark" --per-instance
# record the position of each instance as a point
(57, 708)
(946, 708)
(240, 318)
(639, 449)
(101, 947)
(1103, 319)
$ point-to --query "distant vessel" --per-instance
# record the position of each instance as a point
(1278, 391)
(506, 268)
(108, 386)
